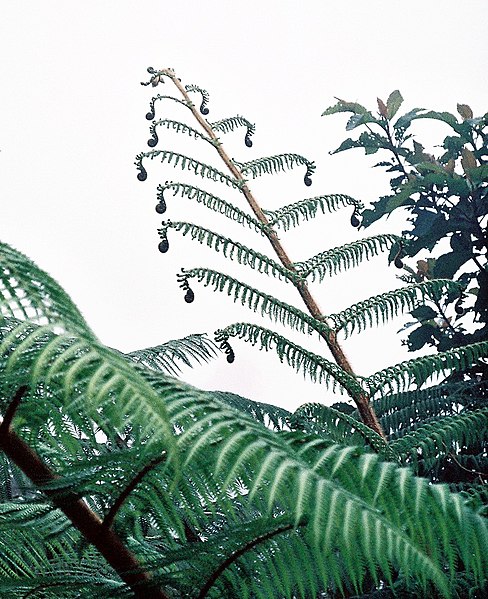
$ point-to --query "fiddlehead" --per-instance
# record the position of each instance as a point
(223, 340)
(182, 279)
(205, 97)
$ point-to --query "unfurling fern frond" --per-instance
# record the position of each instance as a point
(256, 300)
(185, 163)
(343, 428)
(231, 123)
(209, 201)
(166, 356)
(418, 370)
(151, 113)
(231, 249)
(176, 126)
(289, 216)
(275, 164)
(347, 256)
(317, 368)
(205, 97)
(432, 441)
(380, 308)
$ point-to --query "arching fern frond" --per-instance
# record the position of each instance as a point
(271, 416)
(289, 216)
(380, 308)
(275, 164)
(152, 113)
(343, 428)
(231, 249)
(166, 357)
(396, 515)
(315, 367)
(176, 126)
(28, 292)
(231, 123)
(185, 163)
(256, 300)
(418, 370)
(347, 256)
(433, 440)
(209, 201)
(400, 413)
(205, 97)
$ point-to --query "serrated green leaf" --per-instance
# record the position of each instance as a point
(393, 103)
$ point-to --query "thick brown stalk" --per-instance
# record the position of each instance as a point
(364, 407)
(107, 542)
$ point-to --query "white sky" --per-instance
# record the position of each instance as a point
(72, 119)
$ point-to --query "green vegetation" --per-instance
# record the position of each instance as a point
(121, 481)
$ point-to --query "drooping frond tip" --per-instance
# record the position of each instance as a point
(275, 164)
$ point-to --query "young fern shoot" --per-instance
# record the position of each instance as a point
(266, 223)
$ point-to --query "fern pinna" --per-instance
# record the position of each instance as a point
(118, 480)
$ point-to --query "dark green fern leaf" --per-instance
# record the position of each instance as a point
(231, 249)
(210, 201)
(347, 256)
(256, 300)
(315, 367)
(289, 216)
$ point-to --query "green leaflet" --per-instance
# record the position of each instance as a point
(289, 216)
(256, 300)
(210, 201)
(231, 249)
(418, 370)
(318, 369)
(380, 308)
(347, 256)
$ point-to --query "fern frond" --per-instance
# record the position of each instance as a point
(166, 356)
(380, 308)
(209, 201)
(433, 440)
(205, 97)
(346, 256)
(275, 164)
(152, 112)
(185, 162)
(231, 123)
(418, 370)
(176, 126)
(28, 292)
(358, 509)
(271, 416)
(315, 367)
(256, 300)
(343, 428)
(400, 413)
(289, 216)
(231, 249)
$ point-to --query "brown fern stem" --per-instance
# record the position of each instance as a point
(237, 554)
(109, 518)
(107, 542)
(366, 411)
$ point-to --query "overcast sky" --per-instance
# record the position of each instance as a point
(72, 119)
